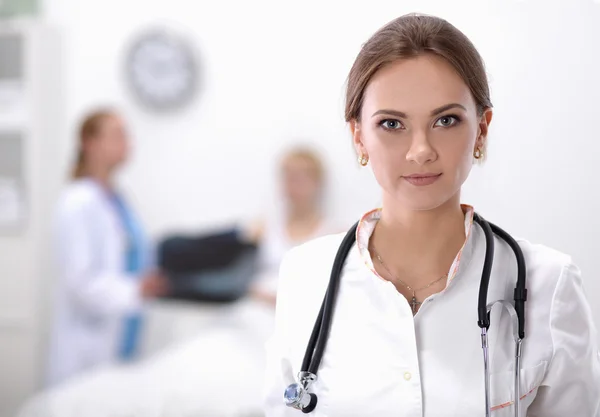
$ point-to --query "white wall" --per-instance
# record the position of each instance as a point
(274, 71)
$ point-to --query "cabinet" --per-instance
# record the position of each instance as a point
(31, 173)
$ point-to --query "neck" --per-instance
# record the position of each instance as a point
(301, 224)
(101, 175)
(303, 214)
(428, 241)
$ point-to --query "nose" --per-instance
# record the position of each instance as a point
(420, 152)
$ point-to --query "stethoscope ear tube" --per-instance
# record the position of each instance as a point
(313, 339)
(329, 301)
(520, 295)
(320, 333)
(484, 320)
(514, 318)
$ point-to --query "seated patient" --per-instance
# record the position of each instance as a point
(301, 218)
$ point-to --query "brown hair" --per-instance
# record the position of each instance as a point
(88, 129)
(310, 156)
(410, 36)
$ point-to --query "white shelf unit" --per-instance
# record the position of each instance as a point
(31, 135)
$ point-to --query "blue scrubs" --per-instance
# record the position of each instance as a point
(135, 264)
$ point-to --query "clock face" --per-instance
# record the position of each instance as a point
(162, 71)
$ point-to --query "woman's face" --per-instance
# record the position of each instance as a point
(111, 146)
(301, 187)
(419, 128)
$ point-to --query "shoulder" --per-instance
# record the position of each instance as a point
(543, 256)
(314, 255)
(303, 279)
(77, 197)
(570, 336)
(553, 282)
(305, 270)
(546, 265)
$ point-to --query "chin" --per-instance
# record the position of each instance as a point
(423, 201)
(425, 206)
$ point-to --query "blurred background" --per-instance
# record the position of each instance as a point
(216, 128)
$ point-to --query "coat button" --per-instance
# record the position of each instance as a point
(407, 376)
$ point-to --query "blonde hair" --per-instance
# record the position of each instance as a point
(89, 128)
(307, 155)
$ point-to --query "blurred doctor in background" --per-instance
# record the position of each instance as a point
(103, 257)
(301, 218)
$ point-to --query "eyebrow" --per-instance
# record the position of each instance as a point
(433, 112)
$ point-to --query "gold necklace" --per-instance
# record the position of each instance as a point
(414, 304)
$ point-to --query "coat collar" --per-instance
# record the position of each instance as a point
(369, 220)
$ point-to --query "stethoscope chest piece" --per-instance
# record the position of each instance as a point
(297, 396)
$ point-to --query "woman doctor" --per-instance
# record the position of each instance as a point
(419, 109)
(103, 258)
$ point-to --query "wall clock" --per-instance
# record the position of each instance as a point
(161, 70)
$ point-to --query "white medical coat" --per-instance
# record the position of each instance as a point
(94, 294)
(381, 361)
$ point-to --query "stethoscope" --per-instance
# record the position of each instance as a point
(298, 395)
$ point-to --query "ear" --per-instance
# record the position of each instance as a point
(484, 125)
(355, 129)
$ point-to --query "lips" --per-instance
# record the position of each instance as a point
(420, 180)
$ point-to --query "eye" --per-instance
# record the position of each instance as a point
(447, 121)
(391, 124)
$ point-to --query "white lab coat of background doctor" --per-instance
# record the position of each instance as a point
(94, 292)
